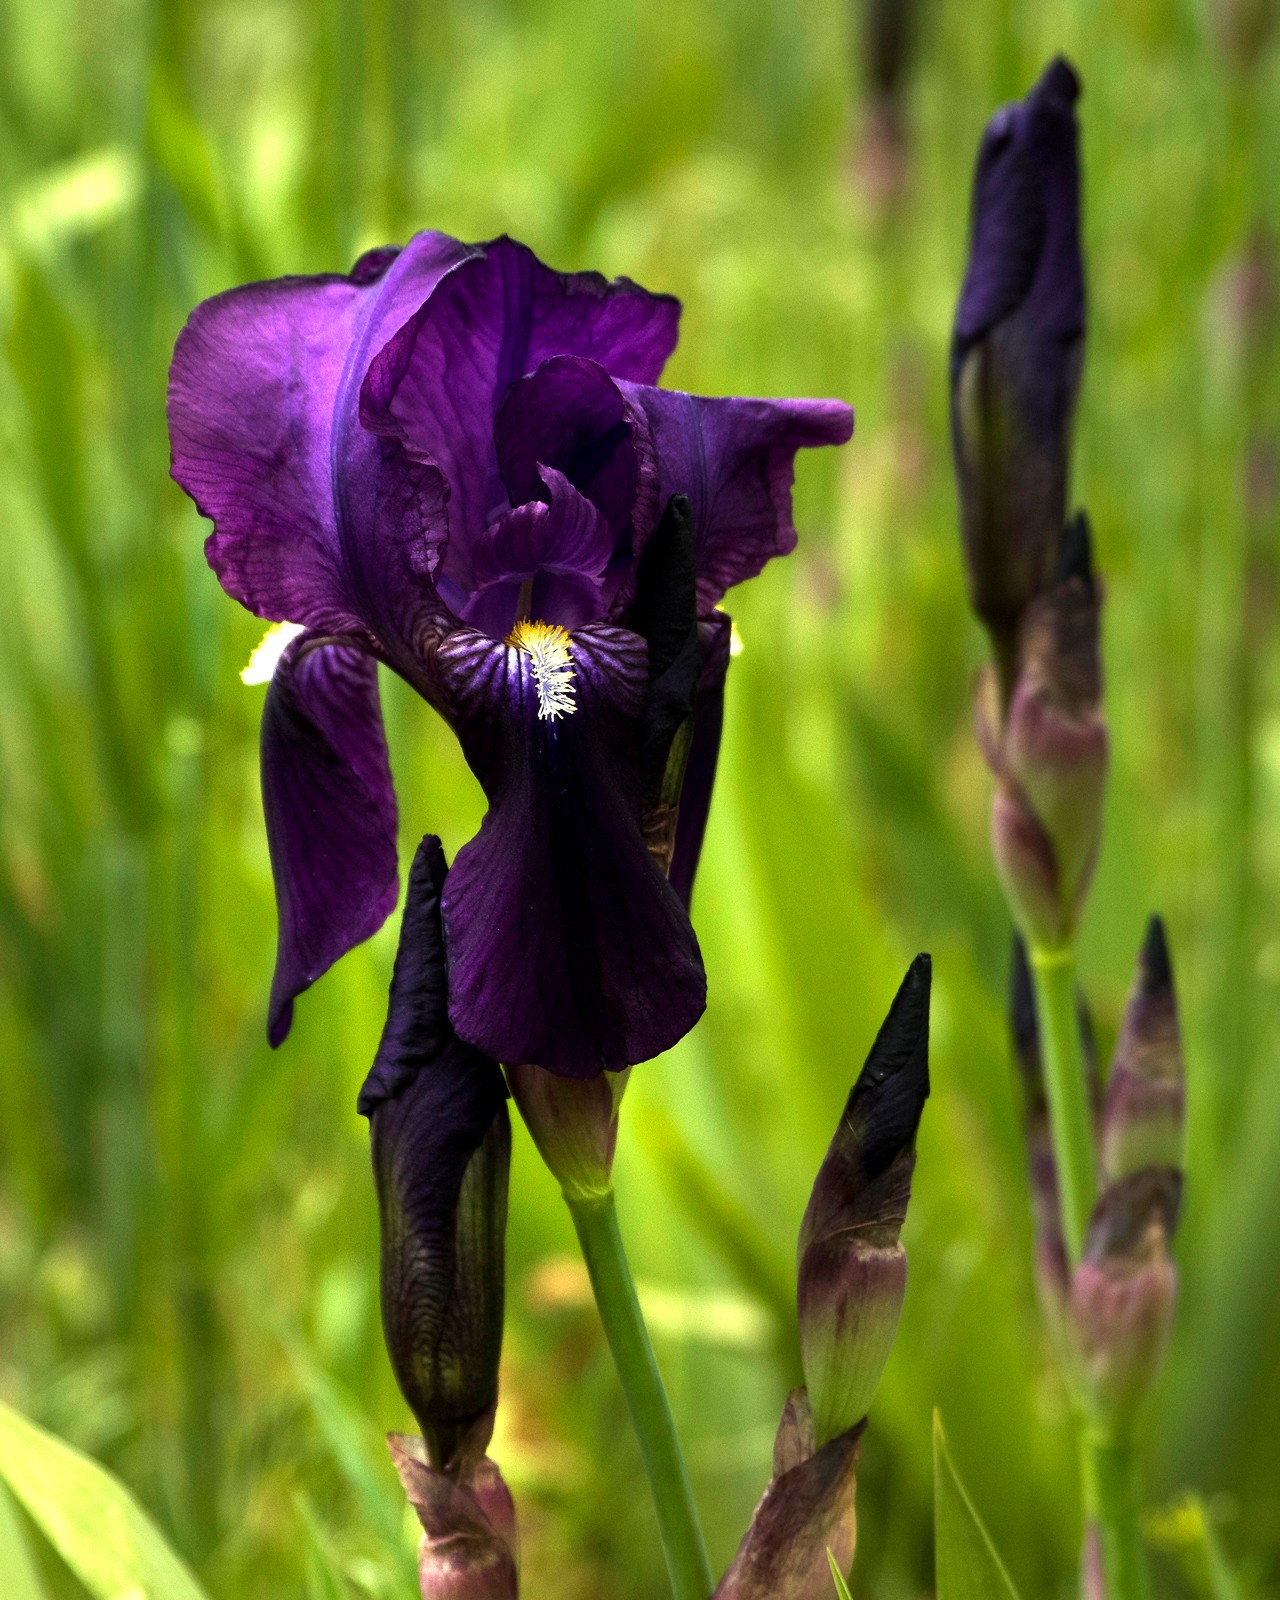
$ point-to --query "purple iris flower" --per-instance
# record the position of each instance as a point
(1017, 348)
(453, 461)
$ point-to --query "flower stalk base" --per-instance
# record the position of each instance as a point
(1111, 1516)
(596, 1221)
(1053, 974)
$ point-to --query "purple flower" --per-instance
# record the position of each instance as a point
(452, 461)
(1017, 348)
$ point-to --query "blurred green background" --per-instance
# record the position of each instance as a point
(187, 1223)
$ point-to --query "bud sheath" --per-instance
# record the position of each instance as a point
(852, 1267)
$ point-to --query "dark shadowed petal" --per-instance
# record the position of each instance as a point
(735, 460)
(263, 407)
(330, 812)
(441, 1151)
(437, 386)
(704, 753)
(571, 415)
(567, 947)
(560, 549)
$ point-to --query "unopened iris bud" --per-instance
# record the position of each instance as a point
(808, 1510)
(441, 1154)
(1123, 1292)
(1050, 755)
(852, 1267)
(574, 1123)
(1142, 1117)
(467, 1549)
(1016, 353)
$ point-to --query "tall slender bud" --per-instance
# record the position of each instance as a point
(441, 1143)
(852, 1267)
(1142, 1117)
(1016, 353)
(1123, 1292)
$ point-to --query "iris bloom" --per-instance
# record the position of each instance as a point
(451, 461)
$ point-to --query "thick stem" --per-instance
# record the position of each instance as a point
(596, 1220)
(1111, 1516)
(1066, 1086)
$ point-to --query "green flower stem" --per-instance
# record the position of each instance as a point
(1053, 973)
(1106, 1462)
(596, 1220)
(1111, 1508)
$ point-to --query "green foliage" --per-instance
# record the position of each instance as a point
(968, 1565)
(837, 1577)
(89, 1518)
(187, 1222)
(17, 1567)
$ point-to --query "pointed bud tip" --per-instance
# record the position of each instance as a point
(417, 1023)
(1155, 968)
(1061, 81)
(889, 1096)
(1075, 553)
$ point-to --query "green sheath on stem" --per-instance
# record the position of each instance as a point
(1111, 1507)
(1106, 1463)
(596, 1220)
(1053, 974)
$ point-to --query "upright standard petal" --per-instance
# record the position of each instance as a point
(735, 461)
(547, 559)
(567, 947)
(571, 415)
(437, 386)
(265, 437)
(330, 812)
(441, 1153)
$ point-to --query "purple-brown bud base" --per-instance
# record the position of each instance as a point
(1122, 1295)
(1048, 751)
(809, 1508)
(468, 1545)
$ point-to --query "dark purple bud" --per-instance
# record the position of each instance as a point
(1016, 351)
(852, 1267)
(808, 1509)
(574, 1123)
(1142, 1118)
(441, 1154)
(467, 1549)
(1123, 1292)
